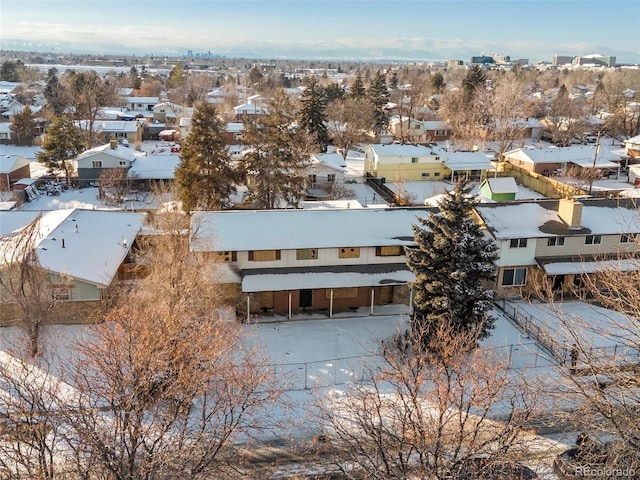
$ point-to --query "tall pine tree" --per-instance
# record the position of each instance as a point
(277, 154)
(205, 177)
(451, 261)
(378, 95)
(312, 113)
(62, 143)
(24, 126)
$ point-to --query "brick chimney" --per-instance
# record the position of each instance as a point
(113, 144)
(570, 212)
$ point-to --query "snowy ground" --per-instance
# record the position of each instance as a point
(320, 357)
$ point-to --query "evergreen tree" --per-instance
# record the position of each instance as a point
(62, 143)
(332, 92)
(378, 95)
(276, 157)
(437, 82)
(134, 78)
(312, 113)
(205, 177)
(24, 126)
(357, 89)
(451, 260)
(55, 94)
(474, 79)
(9, 71)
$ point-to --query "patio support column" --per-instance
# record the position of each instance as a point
(331, 303)
(411, 301)
(248, 307)
(372, 297)
(289, 304)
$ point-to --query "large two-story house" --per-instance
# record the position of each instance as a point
(556, 242)
(289, 261)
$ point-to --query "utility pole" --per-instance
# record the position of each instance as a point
(595, 159)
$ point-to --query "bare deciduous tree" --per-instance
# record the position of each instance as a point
(24, 284)
(166, 388)
(428, 414)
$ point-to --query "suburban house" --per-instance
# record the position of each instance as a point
(153, 168)
(141, 104)
(632, 149)
(165, 113)
(393, 162)
(554, 160)
(120, 130)
(5, 133)
(93, 162)
(249, 110)
(435, 131)
(276, 260)
(499, 189)
(417, 131)
(560, 241)
(397, 163)
(324, 171)
(85, 252)
(234, 132)
(12, 169)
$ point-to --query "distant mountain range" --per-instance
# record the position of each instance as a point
(279, 52)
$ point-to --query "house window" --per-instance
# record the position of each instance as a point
(228, 257)
(312, 178)
(425, 174)
(436, 174)
(307, 254)
(389, 251)
(555, 242)
(441, 133)
(349, 252)
(518, 243)
(437, 159)
(593, 240)
(414, 159)
(331, 177)
(628, 238)
(60, 293)
(514, 277)
(264, 255)
(122, 163)
(96, 163)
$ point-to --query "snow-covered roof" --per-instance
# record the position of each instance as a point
(235, 127)
(291, 229)
(400, 150)
(457, 161)
(540, 219)
(154, 167)
(143, 100)
(435, 125)
(89, 245)
(332, 160)
(10, 163)
(335, 276)
(119, 151)
(251, 108)
(502, 184)
(561, 155)
(595, 266)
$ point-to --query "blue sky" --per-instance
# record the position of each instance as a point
(421, 29)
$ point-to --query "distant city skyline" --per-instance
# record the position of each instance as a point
(332, 30)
